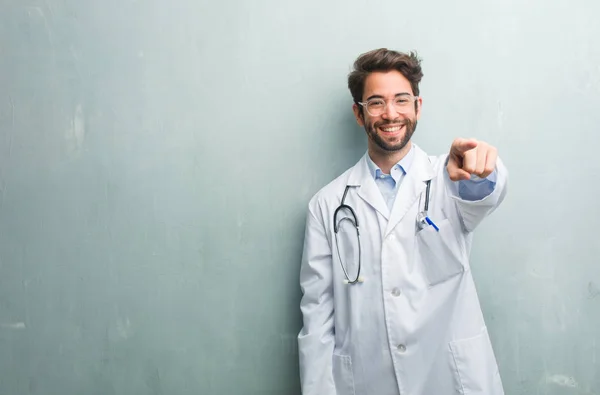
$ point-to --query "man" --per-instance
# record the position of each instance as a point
(389, 304)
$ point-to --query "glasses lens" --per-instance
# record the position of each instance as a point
(376, 107)
(402, 104)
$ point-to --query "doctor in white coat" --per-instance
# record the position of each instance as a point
(389, 305)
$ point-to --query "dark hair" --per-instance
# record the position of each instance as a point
(384, 60)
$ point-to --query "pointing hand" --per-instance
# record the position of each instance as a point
(469, 156)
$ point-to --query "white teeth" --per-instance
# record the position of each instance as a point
(394, 129)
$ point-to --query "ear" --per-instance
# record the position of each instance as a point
(360, 120)
(419, 106)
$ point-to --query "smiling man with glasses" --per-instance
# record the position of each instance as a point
(389, 304)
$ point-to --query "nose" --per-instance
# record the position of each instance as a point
(390, 111)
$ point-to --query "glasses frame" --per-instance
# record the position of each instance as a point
(365, 104)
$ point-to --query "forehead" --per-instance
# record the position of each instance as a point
(386, 84)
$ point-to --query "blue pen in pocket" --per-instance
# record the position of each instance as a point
(430, 222)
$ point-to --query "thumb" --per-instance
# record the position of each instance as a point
(454, 169)
(460, 146)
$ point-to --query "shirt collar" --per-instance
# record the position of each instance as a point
(403, 165)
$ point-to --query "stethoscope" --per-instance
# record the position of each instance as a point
(422, 221)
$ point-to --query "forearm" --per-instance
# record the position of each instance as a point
(478, 198)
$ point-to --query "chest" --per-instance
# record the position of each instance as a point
(398, 244)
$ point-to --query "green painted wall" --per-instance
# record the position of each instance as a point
(156, 159)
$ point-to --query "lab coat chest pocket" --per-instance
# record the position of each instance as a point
(440, 253)
(342, 374)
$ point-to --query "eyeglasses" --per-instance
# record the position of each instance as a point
(402, 105)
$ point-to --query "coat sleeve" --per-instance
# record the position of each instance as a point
(474, 210)
(316, 339)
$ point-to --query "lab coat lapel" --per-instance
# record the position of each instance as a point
(414, 183)
(368, 191)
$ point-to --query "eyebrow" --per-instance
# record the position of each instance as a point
(381, 97)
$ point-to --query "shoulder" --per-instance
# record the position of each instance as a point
(331, 194)
(438, 162)
(330, 191)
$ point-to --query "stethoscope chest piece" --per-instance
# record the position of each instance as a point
(421, 219)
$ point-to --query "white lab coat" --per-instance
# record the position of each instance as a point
(414, 326)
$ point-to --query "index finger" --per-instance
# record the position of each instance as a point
(464, 145)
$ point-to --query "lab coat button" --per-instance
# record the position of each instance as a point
(396, 292)
(401, 348)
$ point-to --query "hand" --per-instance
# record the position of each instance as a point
(469, 156)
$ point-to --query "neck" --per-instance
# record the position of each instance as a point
(385, 160)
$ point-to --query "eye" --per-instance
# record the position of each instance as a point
(377, 103)
(402, 100)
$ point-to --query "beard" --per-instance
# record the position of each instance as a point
(373, 133)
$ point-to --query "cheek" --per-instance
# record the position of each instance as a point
(370, 122)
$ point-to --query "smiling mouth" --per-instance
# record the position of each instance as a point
(391, 129)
